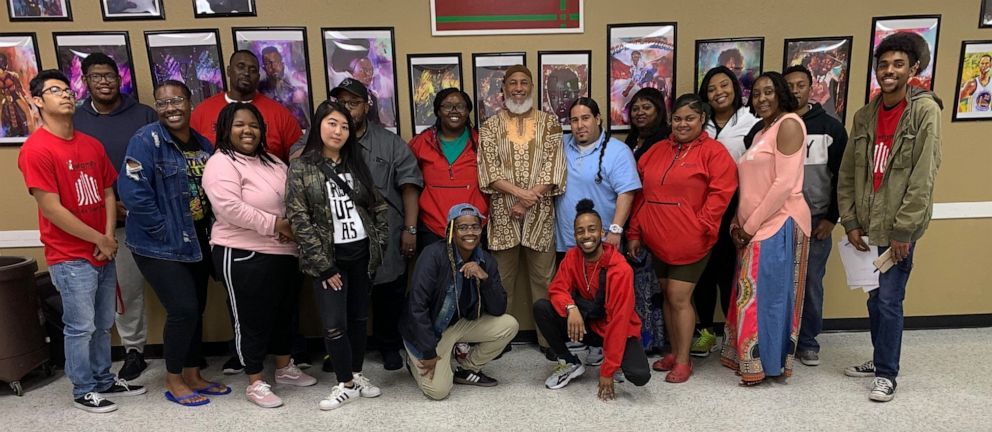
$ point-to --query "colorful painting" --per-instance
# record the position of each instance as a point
(743, 56)
(487, 17)
(489, 69)
(829, 61)
(639, 55)
(369, 56)
(564, 78)
(973, 98)
(285, 74)
(429, 74)
(926, 26)
(19, 62)
(39, 10)
(192, 57)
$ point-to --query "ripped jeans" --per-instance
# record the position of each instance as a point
(344, 315)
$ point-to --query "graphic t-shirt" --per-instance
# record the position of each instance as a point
(196, 160)
(885, 130)
(79, 171)
(348, 227)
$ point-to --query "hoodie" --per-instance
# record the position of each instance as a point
(113, 130)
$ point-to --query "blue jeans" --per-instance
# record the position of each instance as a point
(88, 301)
(886, 316)
(816, 267)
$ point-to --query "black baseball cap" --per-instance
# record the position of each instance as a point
(352, 86)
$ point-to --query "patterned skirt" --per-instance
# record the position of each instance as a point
(763, 319)
(647, 302)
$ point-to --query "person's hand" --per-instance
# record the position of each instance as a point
(426, 367)
(284, 230)
(472, 269)
(613, 239)
(334, 282)
(633, 248)
(518, 211)
(408, 244)
(823, 229)
(900, 250)
(527, 197)
(576, 327)
(854, 236)
(741, 237)
(606, 392)
(121, 211)
(105, 249)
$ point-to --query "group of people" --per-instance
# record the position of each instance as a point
(617, 246)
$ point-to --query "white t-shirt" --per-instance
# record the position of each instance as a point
(348, 225)
(733, 133)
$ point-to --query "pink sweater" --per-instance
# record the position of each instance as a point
(771, 185)
(247, 197)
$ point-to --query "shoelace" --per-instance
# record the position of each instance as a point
(882, 384)
(338, 393)
(867, 366)
(93, 397)
(361, 381)
(123, 383)
(263, 388)
(561, 368)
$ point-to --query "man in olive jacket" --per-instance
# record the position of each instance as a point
(885, 191)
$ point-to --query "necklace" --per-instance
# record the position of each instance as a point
(585, 275)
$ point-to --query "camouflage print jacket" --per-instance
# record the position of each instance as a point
(309, 212)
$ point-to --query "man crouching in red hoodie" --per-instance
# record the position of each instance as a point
(591, 300)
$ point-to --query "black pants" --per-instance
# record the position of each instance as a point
(554, 327)
(182, 289)
(344, 314)
(263, 291)
(719, 273)
(388, 301)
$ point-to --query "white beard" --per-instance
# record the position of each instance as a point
(518, 108)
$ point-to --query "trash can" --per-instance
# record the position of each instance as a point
(23, 347)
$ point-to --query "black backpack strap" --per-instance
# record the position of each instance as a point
(333, 176)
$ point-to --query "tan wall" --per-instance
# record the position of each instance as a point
(948, 278)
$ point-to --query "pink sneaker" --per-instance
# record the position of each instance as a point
(260, 394)
(293, 376)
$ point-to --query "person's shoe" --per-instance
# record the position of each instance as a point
(365, 387)
(618, 377)
(292, 375)
(704, 344)
(233, 366)
(564, 373)
(549, 354)
(392, 360)
(302, 360)
(465, 376)
(680, 373)
(339, 396)
(882, 390)
(260, 393)
(809, 357)
(866, 369)
(328, 365)
(94, 403)
(134, 364)
(666, 363)
(122, 388)
(595, 356)
(575, 347)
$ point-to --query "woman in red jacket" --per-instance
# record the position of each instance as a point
(688, 180)
(446, 154)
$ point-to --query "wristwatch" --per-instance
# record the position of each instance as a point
(616, 229)
(568, 308)
(410, 229)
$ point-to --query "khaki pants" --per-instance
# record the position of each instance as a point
(539, 267)
(490, 333)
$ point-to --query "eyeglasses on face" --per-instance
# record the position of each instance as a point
(468, 228)
(454, 107)
(165, 103)
(59, 91)
(95, 77)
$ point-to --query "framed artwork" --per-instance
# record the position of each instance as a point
(565, 77)
(488, 70)
(829, 61)
(429, 74)
(489, 17)
(973, 95)
(191, 56)
(985, 17)
(744, 56)
(223, 8)
(285, 75)
(638, 56)
(927, 26)
(369, 56)
(72, 48)
(19, 62)
(39, 10)
(122, 10)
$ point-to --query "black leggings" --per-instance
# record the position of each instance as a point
(719, 273)
(344, 314)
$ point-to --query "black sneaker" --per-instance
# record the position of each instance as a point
(233, 366)
(392, 360)
(882, 390)
(506, 349)
(863, 370)
(465, 376)
(134, 364)
(302, 360)
(122, 388)
(94, 403)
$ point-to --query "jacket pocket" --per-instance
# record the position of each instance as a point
(904, 158)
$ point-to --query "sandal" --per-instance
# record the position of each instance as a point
(211, 389)
(186, 400)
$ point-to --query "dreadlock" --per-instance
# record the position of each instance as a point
(594, 109)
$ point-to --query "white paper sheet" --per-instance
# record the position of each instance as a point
(859, 266)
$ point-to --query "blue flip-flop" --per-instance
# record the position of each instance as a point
(185, 400)
(213, 385)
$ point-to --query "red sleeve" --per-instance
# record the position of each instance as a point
(619, 309)
(38, 169)
(722, 185)
(560, 290)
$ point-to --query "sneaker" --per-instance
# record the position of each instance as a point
(292, 375)
(340, 395)
(260, 393)
(809, 357)
(882, 390)
(618, 377)
(665, 364)
(575, 347)
(866, 369)
(94, 403)
(704, 344)
(134, 364)
(392, 360)
(122, 388)
(595, 356)
(365, 387)
(233, 366)
(680, 373)
(564, 373)
(465, 376)
(302, 360)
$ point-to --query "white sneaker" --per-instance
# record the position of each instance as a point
(882, 390)
(340, 395)
(365, 387)
(618, 377)
(260, 393)
(595, 356)
(292, 375)
(564, 373)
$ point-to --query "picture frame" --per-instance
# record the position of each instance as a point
(191, 56)
(985, 15)
(655, 66)
(927, 26)
(20, 61)
(829, 61)
(464, 18)
(564, 77)
(72, 47)
(487, 81)
(744, 56)
(975, 79)
(33, 10)
(429, 74)
(130, 10)
(367, 54)
(284, 65)
(223, 8)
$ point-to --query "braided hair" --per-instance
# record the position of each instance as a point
(594, 108)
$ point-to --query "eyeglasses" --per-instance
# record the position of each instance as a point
(466, 228)
(351, 103)
(456, 107)
(59, 91)
(165, 103)
(108, 77)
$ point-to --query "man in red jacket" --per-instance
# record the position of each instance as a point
(591, 300)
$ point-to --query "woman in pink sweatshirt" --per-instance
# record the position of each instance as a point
(253, 249)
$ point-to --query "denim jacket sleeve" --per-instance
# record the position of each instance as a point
(137, 186)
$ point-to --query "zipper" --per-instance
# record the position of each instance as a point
(671, 203)
(677, 153)
(450, 187)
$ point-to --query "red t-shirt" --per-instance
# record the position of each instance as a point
(885, 130)
(282, 129)
(79, 171)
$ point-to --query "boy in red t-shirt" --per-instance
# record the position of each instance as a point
(71, 179)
